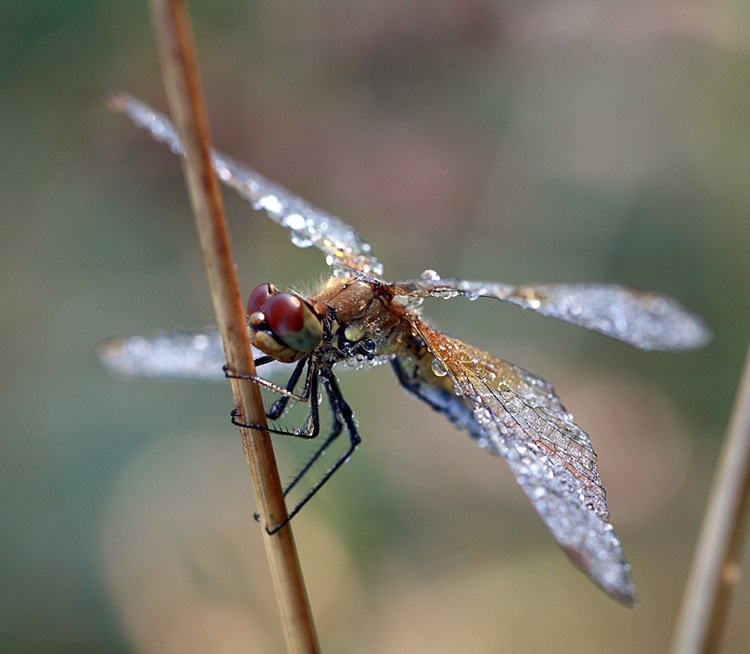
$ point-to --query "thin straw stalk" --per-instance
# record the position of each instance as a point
(182, 81)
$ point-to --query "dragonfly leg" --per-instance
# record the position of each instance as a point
(260, 361)
(280, 390)
(294, 433)
(312, 423)
(343, 416)
(279, 406)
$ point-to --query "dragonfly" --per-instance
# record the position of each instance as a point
(357, 318)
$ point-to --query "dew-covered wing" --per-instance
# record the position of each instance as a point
(177, 355)
(521, 418)
(644, 319)
(308, 225)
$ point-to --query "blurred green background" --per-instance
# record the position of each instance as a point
(543, 141)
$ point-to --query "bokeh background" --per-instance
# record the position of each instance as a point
(583, 140)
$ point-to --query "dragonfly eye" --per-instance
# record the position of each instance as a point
(293, 321)
(259, 297)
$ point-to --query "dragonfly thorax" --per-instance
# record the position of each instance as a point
(363, 318)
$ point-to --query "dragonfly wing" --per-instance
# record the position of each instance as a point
(519, 417)
(308, 225)
(644, 319)
(171, 356)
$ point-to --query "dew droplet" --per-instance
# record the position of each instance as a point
(271, 204)
(200, 342)
(369, 345)
(438, 367)
(293, 221)
(300, 240)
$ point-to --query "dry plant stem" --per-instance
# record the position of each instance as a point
(180, 71)
(715, 569)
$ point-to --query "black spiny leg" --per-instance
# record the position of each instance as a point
(313, 421)
(286, 393)
(343, 416)
(279, 406)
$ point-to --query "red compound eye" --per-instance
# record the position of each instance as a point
(285, 314)
(259, 297)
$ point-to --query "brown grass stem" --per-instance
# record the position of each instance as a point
(182, 81)
(715, 569)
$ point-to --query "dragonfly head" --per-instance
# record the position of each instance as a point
(283, 325)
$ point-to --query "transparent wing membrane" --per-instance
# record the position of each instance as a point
(644, 319)
(177, 355)
(308, 225)
(520, 417)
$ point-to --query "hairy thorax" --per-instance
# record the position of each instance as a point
(364, 319)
